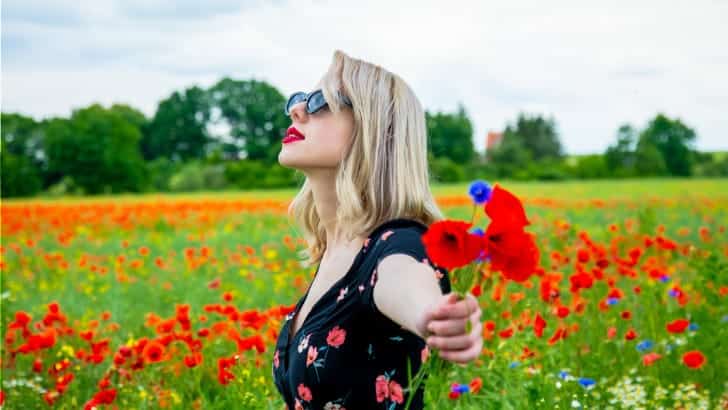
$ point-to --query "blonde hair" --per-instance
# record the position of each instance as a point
(384, 174)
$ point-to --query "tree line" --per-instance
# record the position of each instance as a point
(228, 136)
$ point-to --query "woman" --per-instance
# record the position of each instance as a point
(376, 301)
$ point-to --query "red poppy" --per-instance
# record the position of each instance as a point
(650, 358)
(582, 255)
(538, 325)
(193, 360)
(514, 253)
(105, 396)
(512, 250)
(611, 332)
(449, 244)
(506, 333)
(505, 208)
(630, 335)
(560, 333)
(677, 326)
(693, 359)
(153, 351)
(476, 384)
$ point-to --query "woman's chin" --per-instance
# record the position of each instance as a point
(286, 161)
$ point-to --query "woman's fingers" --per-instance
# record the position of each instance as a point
(449, 306)
(459, 342)
(463, 356)
(454, 327)
(460, 309)
(450, 327)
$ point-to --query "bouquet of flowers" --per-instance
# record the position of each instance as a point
(504, 247)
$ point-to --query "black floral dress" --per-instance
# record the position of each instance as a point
(347, 354)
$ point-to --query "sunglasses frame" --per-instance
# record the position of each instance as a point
(307, 98)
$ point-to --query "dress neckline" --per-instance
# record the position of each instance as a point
(323, 296)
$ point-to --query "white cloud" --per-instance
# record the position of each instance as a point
(592, 66)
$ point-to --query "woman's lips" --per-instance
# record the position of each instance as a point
(291, 138)
(292, 134)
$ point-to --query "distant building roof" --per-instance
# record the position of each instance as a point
(493, 139)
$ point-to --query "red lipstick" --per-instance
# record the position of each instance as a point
(292, 134)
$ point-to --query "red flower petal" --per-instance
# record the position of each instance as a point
(449, 244)
(506, 208)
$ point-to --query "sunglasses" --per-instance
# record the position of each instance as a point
(314, 101)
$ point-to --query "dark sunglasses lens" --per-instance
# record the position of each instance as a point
(293, 100)
(316, 101)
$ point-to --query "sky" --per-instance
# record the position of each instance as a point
(592, 66)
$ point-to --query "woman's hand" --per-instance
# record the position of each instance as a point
(444, 326)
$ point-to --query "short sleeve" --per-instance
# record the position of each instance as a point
(402, 240)
(405, 240)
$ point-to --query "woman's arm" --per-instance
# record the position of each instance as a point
(407, 291)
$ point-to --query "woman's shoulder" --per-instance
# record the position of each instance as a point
(404, 236)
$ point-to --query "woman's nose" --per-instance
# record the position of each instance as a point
(298, 112)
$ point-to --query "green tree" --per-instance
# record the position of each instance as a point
(590, 166)
(19, 176)
(673, 140)
(451, 135)
(537, 135)
(620, 156)
(98, 148)
(178, 130)
(649, 160)
(22, 155)
(253, 112)
(509, 157)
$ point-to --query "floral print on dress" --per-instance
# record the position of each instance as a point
(388, 390)
(386, 235)
(335, 338)
(304, 392)
(342, 293)
(304, 343)
(337, 404)
(312, 355)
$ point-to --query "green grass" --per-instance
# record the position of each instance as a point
(572, 189)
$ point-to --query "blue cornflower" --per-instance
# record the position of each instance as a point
(673, 293)
(644, 345)
(460, 388)
(480, 192)
(664, 278)
(477, 231)
(514, 364)
(586, 382)
(693, 326)
(612, 301)
(563, 374)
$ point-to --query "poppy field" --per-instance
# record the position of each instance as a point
(175, 302)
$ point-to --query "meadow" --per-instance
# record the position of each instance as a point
(174, 301)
